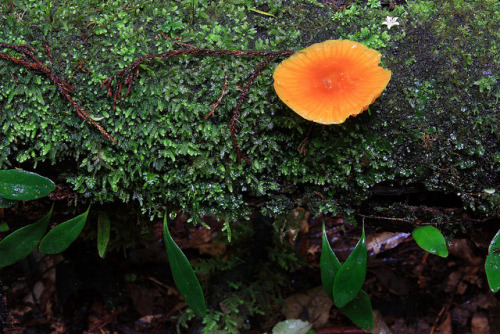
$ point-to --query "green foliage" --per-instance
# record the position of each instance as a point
(430, 239)
(19, 244)
(492, 265)
(343, 282)
(351, 275)
(184, 276)
(360, 311)
(6, 203)
(103, 231)
(329, 265)
(169, 154)
(62, 236)
(23, 185)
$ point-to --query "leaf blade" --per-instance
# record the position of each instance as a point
(18, 185)
(492, 264)
(184, 277)
(351, 275)
(60, 237)
(431, 240)
(19, 244)
(360, 311)
(103, 231)
(329, 265)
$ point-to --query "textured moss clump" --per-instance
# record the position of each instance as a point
(437, 123)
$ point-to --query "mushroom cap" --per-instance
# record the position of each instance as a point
(328, 82)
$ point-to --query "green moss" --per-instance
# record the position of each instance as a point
(168, 155)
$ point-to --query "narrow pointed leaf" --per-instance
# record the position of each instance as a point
(17, 245)
(351, 275)
(492, 264)
(23, 185)
(6, 203)
(329, 265)
(360, 311)
(431, 240)
(61, 236)
(103, 230)
(184, 276)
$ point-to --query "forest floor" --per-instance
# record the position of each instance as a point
(411, 290)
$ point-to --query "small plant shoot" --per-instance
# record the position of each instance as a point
(348, 286)
(184, 276)
(492, 264)
(431, 240)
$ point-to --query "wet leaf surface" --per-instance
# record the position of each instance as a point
(23, 185)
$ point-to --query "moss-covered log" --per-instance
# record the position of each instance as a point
(435, 128)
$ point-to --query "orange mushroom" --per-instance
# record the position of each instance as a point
(328, 82)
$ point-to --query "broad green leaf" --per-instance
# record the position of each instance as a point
(184, 276)
(103, 230)
(61, 236)
(20, 243)
(6, 203)
(431, 240)
(22, 185)
(351, 275)
(360, 311)
(292, 326)
(492, 264)
(329, 265)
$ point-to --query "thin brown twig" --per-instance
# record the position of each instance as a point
(64, 88)
(216, 104)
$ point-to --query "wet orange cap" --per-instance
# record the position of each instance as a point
(328, 82)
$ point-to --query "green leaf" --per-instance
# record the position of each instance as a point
(103, 230)
(184, 276)
(22, 185)
(19, 244)
(431, 240)
(292, 326)
(360, 311)
(492, 264)
(329, 265)
(6, 203)
(351, 275)
(61, 236)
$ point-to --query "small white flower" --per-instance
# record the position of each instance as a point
(391, 21)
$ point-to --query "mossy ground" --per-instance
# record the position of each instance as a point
(437, 124)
